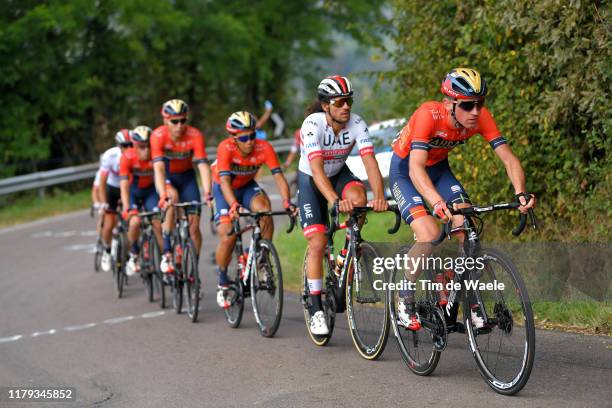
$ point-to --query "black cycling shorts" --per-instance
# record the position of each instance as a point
(313, 205)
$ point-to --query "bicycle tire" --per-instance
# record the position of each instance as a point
(506, 313)
(366, 307)
(120, 276)
(98, 254)
(177, 286)
(267, 283)
(192, 281)
(158, 280)
(233, 314)
(147, 266)
(417, 348)
(328, 300)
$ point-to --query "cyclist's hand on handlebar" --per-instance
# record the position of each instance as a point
(441, 211)
(126, 214)
(527, 201)
(234, 210)
(379, 205)
(345, 206)
(208, 199)
(290, 207)
(102, 208)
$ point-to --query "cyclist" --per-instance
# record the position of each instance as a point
(175, 147)
(295, 147)
(138, 191)
(419, 169)
(239, 157)
(323, 177)
(109, 191)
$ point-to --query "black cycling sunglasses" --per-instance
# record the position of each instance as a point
(125, 145)
(182, 121)
(246, 138)
(338, 103)
(469, 105)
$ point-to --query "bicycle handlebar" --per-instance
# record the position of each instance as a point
(260, 214)
(475, 210)
(335, 214)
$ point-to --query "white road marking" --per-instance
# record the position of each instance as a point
(43, 234)
(65, 234)
(81, 247)
(9, 339)
(91, 233)
(117, 320)
(80, 327)
(152, 314)
(43, 333)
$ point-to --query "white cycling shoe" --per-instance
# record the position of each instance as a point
(318, 325)
(222, 300)
(407, 316)
(131, 267)
(105, 262)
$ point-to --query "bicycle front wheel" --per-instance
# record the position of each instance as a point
(366, 301)
(177, 286)
(267, 288)
(504, 348)
(235, 296)
(119, 265)
(192, 281)
(98, 254)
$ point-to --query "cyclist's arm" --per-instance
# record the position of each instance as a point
(226, 189)
(322, 181)
(159, 173)
(420, 178)
(283, 186)
(124, 185)
(102, 186)
(374, 176)
(204, 169)
(515, 171)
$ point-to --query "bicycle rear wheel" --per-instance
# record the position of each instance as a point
(98, 254)
(192, 281)
(267, 289)
(420, 349)
(504, 349)
(235, 296)
(328, 300)
(367, 311)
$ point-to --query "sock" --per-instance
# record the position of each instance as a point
(135, 248)
(223, 279)
(166, 239)
(314, 287)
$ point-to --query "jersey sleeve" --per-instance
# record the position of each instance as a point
(124, 167)
(420, 129)
(310, 138)
(157, 145)
(105, 163)
(224, 160)
(272, 159)
(488, 129)
(199, 148)
(362, 138)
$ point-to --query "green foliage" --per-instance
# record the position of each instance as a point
(73, 72)
(547, 64)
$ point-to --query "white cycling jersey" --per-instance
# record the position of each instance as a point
(110, 164)
(318, 140)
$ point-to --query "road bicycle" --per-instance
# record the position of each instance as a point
(149, 258)
(256, 273)
(504, 347)
(351, 285)
(186, 277)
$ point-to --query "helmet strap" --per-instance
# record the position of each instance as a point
(456, 123)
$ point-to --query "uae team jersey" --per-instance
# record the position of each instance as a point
(180, 155)
(138, 172)
(109, 164)
(242, 169)
(428, 129)
(318, 140)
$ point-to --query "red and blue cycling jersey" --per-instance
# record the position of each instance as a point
(179, 155)
(428, 129)
(242, 169)
(138, 172)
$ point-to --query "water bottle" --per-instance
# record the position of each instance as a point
(340, 262)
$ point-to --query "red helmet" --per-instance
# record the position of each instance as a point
(334, 87)
(464, 83)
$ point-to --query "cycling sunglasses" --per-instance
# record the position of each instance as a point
(469, 105)
(182, 121)
(246, 138)
(338, 103)
(125, 145)
(142, 146)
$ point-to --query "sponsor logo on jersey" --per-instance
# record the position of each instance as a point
(173, 155)
(341, 140)
(445, 144)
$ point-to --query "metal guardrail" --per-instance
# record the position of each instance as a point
(43, 179)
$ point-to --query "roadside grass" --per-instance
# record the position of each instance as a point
(582, 316)
(31, 207)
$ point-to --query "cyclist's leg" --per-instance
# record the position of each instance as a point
(256, 200)
(313, 215)
(451, 190)
(110, 215)
(226, 244)
(150, 203)
(349, 187)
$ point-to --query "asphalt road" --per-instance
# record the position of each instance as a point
(61, 325)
